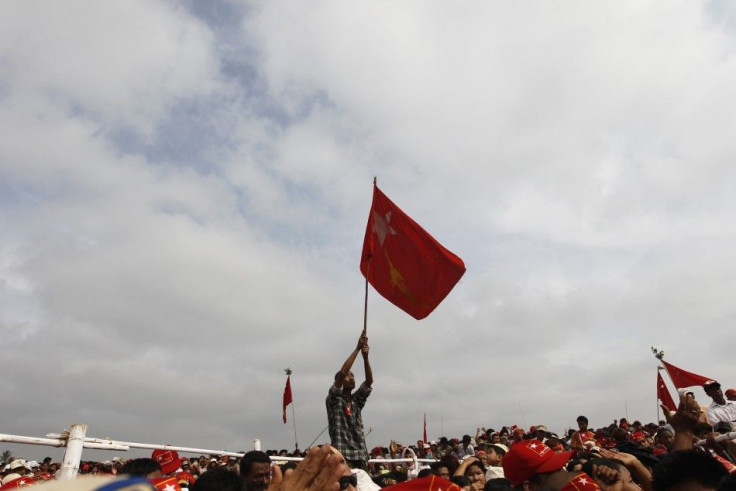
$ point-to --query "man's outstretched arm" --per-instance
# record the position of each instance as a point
(366, 364)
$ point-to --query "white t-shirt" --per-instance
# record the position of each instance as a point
(725, 412)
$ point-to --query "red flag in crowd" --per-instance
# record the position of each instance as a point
(405, 264)
(166, 484)
(287, 395)
(429, 483)
(663, 394)
(682, 378)
(424, 434)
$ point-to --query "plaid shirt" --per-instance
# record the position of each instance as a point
(346, 430)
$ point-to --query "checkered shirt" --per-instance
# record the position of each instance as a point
(346, 431)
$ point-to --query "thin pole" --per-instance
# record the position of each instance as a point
(365, 305)
(367, 275)
(315, 439)
(293, 419)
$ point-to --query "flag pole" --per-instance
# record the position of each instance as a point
(365, 304)
(367, 273)
(293, 418)
(293, 414)
(660, 356)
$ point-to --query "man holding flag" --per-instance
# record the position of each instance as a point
(344, 408)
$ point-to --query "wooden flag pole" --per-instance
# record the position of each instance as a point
(365, 304)
(367, 273)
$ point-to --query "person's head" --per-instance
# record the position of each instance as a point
(713, 389)
(466, 440)
(495, 453)
(498, 484)
(582, 423)
(218, 479)
(476, 473)
(255, 470)
(147, 468)
(532, 462)
(440, 469)
(348, 381)
(462, 481)
(687, 469)
(665, 438)
(731, 394)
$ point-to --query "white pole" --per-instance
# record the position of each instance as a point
(256, 444)
(73, 453)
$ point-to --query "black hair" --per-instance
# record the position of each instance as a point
(498, 484)
(140, 467)
(249, 458)
(685, 467)
(218, 479)
(461, 481)
(424, 472)
(581, 418)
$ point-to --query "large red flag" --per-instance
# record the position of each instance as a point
(663, 394)
(405, 264)
(682, 378)
(287, 395)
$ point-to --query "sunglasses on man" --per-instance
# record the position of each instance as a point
(345, 481)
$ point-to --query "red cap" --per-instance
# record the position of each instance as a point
(167, 459)
(581, 482)
(166, 483)
(730, 392)
(19, 482)
(532, 457)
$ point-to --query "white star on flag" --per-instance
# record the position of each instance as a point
(583, 481)
(170, 487)
(381, 226)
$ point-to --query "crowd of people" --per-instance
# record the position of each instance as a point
(623, 455)
(684, 451)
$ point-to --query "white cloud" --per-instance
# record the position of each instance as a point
(176, 233)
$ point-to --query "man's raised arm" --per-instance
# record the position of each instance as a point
(366, 364)
(340, 376)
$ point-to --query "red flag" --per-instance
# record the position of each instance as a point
(166, 483)
(682, 378)
(287, 395)
(429, 483)
(663, 394)
(405, 264)
(424, 435)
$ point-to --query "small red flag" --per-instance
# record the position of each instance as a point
(663, 394)
(424, 435)
(287, 395)
(166, 483)
(682, 378)
(405, 264)
(429, 483)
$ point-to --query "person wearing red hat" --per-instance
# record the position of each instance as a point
(530, 463)
(15, 480)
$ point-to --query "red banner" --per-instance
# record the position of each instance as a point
(405, 264)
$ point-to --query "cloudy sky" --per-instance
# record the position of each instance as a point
(184, 189)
